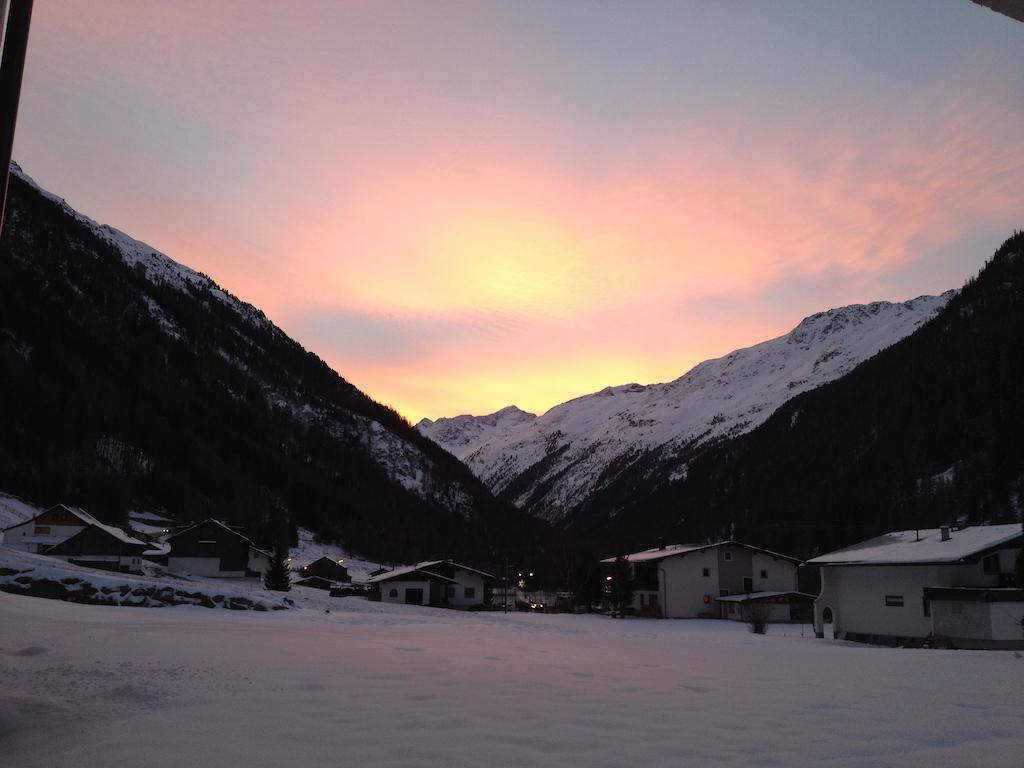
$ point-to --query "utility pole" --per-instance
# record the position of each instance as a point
(12, 67)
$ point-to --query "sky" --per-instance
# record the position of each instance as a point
(465, 205)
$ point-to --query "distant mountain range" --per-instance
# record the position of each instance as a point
(552, 465)
(926, 432)
(128, 380)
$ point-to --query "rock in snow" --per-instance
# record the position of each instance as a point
(554, 462)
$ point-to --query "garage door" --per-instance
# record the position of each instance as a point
(414, 596)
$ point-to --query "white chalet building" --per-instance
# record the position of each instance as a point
(902, 587)
(433, 582)
(47, 529)
(682, 581)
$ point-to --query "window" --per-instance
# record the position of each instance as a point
(990, 565)
(956, 607)
(764, 573)
(393, 593)
(732, 607)
(470, 592)
(723, 592)
(894, 601)
(705, 572)
(727, 556)
(43, 530)
(449, 591)
(927, 606)
(748, 584)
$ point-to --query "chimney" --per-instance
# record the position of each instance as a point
(944, 532)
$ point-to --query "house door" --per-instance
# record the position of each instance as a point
(748, 584)
(414, 596)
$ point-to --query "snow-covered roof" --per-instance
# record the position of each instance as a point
(118, 534)
(225, 527)
(425, 568)
(157, 549)
(81, 514)
(407, 570)
(659, 553)
(924, 546)
(748, 596)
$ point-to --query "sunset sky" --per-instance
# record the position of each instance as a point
(464, 205)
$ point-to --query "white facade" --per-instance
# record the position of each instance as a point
(28, 537)
(689, 578)
(469, 589)
(411, 591)
(435, 582)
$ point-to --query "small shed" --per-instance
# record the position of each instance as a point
(316, 582)
(972, 617)
(776, 606)
(326, 568)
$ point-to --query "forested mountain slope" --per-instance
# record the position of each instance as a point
(128, 380)
(925, 432)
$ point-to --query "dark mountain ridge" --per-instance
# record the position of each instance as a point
(927, 431)
(129, 381)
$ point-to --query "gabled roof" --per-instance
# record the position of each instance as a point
(660, 553)
(232, 531)
(110, 530)
(429, 569)
(924, 546)
(328, 559)
(81, 514)
(422, 569)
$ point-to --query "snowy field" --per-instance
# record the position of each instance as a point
(378, 685)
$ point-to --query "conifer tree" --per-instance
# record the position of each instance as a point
(276, 577)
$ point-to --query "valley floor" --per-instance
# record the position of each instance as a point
(377, 685)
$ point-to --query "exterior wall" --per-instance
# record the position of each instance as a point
(781, 575)
(1008, 622)
(856, 595)
(40, 542)
(955, 619)
(685, 592)
(467, 580)
(777, 612)
(431, 592)
(228, 547)
(201, 566)
(734, 564)
(122, 563)
(977, 624)
(258, 562)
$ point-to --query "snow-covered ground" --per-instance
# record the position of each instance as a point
(384, 685)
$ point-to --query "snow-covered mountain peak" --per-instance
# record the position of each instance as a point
(461, 435)
(555, 461)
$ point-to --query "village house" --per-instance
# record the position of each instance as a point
(327, 569)
(211, 548)
(434, 582)
(681, 581)
(47, 529)
(906, 586)
(102, 546)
